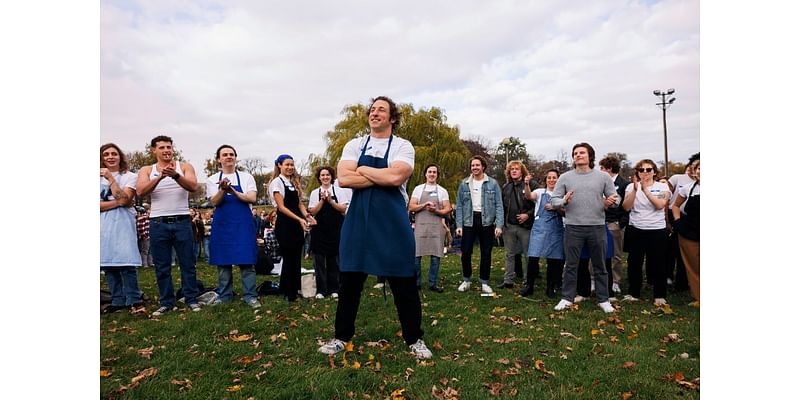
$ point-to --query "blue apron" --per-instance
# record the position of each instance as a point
(233, 231)
(547, 233)
(376, 235)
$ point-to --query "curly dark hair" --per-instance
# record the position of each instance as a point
(394, 113)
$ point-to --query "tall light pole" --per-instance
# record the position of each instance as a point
(506, 143)
(665, 103)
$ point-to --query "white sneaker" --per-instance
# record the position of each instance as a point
(615, 288)
(660, 302)
(578, 299)
(207, 298)
(254, 304)
(195, 307)
(562, 305)
(420, 350)
(629, 298)
(378, 286)
(319, 296)
(486, 289)
(335, 295)
(332, 347)
(606, 306)
(593, 285)
(464, 286)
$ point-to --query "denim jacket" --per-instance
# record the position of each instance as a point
(491, 199)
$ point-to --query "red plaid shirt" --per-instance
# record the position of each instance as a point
(143, 227)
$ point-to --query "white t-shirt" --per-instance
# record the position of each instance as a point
(401, 150)
(276, 186)
(644, 214)
(341, 196)
(246, 180)
(684, 192)
(475, 194)
(441, 192)
(126, 180)
(677, 182)
(539, 192)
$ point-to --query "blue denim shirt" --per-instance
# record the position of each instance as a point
(491, 199)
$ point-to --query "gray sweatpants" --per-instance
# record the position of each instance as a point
(515, 240)
(575, 237)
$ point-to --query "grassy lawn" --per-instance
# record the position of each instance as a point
(504, 347)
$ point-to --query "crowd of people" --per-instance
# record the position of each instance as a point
(580, 224)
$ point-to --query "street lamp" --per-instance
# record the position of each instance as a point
(506, 143)
(665, 103)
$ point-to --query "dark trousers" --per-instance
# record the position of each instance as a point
(290, 271)
(406, 300)
(650, 244)
(326, 272)
(585, 278)
(675, 263)
(485, 237)
(555, 270)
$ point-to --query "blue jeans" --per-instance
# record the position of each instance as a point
(123, 285)
(433, 273)
(196, 251)
(225, 289)
(163, 238)
(206, 242)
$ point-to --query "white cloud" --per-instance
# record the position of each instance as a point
(272, 78)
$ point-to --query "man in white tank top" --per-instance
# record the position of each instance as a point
(168, 182)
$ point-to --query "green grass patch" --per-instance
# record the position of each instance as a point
(504, 347)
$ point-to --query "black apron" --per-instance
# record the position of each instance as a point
(326, 233)
(287, 230)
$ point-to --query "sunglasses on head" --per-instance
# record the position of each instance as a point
(644, 169)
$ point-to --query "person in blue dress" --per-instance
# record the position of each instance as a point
(376, 236)
(233, 231)
(119, 249)
(547, 237)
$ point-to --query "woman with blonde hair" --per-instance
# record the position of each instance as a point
(293, 220)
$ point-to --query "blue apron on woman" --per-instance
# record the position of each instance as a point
(376, 235)
(233, 231)
(547, 233)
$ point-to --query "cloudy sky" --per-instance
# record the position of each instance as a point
(273, 77)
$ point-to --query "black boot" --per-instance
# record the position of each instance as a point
(530, 276)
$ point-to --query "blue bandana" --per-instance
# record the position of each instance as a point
(283, 157)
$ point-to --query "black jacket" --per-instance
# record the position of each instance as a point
(618, 214)
(526, 206)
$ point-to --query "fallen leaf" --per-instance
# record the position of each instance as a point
(144, 374)
(234, 388)
(437, 345)
(627, 395)
(494, 388)
(628, 364)
(356, 365)
(104, 373)
(240, 338)
(435, 322)
(146, 352)
(184, 384)
(503, 361)
(684, 356)
(397, 394)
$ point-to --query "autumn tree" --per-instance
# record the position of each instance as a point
(434, 142)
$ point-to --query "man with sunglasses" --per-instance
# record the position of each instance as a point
(584, 193)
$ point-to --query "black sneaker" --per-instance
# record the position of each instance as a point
(436, 289)
(505, 285)
(113, 309)
(526, 291)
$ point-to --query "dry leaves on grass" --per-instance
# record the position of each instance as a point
(105, 373)
(680, 379)
(495, 389)
(539, 365)
(146, 352)
(234, 388)
(672, 337)
(136, 380)
(627, 395)
(240, 338)
(447, 393)
(628, 364)
(397, 394)
(247, 360)
(185, 384)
